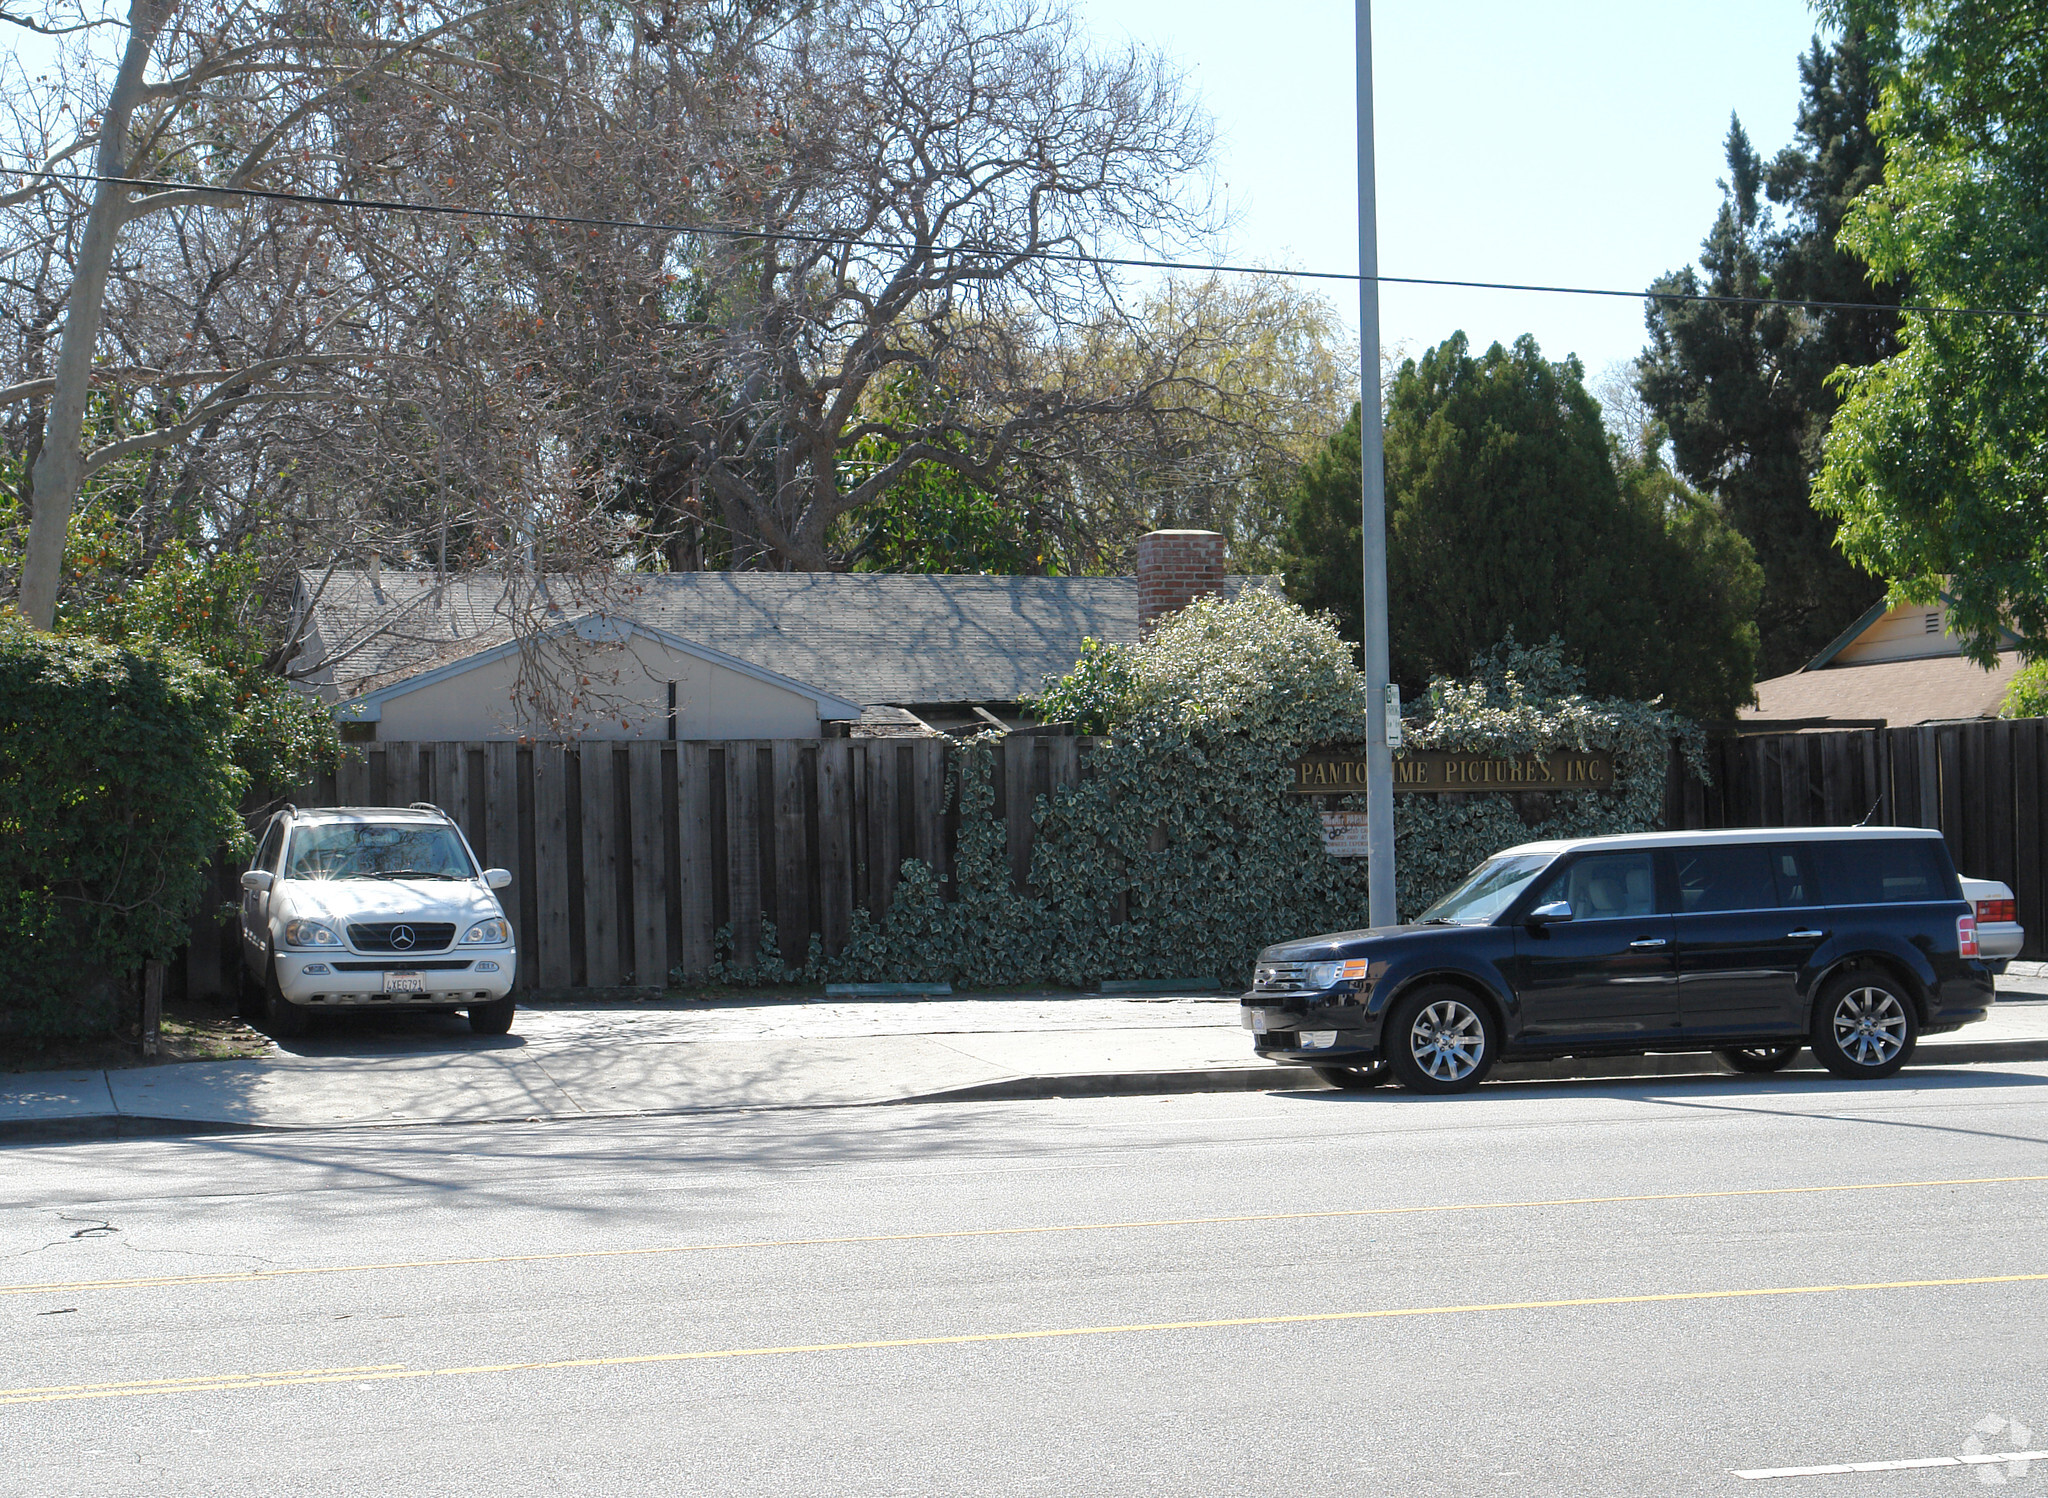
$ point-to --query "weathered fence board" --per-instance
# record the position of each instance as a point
(1984, 785)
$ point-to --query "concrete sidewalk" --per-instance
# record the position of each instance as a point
(595, 1060)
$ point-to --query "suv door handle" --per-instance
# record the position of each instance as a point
(1651, 941)
(1796, 935)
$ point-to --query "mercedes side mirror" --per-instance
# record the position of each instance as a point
(257, 880)
(1554, 913)
(497, 878)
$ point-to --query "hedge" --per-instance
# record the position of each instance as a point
(117, 785)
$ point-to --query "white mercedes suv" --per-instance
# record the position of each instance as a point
(354, 907)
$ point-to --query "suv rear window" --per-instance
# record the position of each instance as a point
(1891, 871)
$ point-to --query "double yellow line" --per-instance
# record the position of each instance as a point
(226, 1382)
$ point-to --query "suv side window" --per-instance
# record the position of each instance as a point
(1798, 878)
(1890, 871)
(1606, 886)
(1725, 876)
(273, 844)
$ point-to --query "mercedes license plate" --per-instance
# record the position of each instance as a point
(404, 983)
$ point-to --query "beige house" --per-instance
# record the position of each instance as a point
(719, 655)
(1894, 666)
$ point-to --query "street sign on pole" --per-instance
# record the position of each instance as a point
(1379, 789)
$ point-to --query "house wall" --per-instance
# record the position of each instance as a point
(626, 698)
(1902, 634)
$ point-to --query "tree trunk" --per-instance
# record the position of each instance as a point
(60, 467)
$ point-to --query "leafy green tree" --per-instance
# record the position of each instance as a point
(194, 595)
(1744, 391)
(1937, 465)
(1506, 515)
(2027, 697)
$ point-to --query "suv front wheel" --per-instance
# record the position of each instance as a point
(1440, 1039)
(1864, 1025)
(494, 1018)
(281, 1017)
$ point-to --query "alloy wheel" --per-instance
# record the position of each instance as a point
(1447, 1040)
(1870, 1026)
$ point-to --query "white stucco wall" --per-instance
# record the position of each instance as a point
(622, 693)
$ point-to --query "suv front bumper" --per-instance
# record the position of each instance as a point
(1310, 1031)
(447, 979)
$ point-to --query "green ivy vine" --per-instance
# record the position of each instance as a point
(1180, 853)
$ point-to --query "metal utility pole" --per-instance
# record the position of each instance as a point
(1379, 753)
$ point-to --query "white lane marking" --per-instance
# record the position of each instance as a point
(1921, 1461)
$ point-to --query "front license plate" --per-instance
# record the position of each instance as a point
(405, 983)
(1258, 1018)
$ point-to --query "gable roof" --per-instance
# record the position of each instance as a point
(866, 637)
(1877, 612)
(1931, 689)
(369, 706)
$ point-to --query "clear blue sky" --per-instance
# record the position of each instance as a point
(1575, 143)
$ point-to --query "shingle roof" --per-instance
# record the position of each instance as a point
(867, 636)
(1933, 689)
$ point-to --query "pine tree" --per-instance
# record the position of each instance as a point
(1507, 515)
(1743, 391)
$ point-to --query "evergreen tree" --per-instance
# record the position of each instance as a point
(1744, 391)
(1506, 514)
(1937, 463)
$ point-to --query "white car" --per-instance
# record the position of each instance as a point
(1999, 933)
(356, 907)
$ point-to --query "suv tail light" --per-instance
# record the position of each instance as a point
(1989, 911)
(1966, 935)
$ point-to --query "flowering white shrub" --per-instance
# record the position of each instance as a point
(1181, 853)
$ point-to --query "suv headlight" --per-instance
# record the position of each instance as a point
(486, 933)
(1323, 975)
(309, 934)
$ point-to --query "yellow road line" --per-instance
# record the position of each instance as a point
(253, 1276)
(201, 1384)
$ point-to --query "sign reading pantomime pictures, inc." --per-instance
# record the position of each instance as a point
(1337, 772)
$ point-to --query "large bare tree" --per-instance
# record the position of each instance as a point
(894, 190)
(226, 96)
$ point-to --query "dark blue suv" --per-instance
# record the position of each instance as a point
(1753, 943)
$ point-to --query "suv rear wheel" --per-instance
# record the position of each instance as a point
(1440, 1039)
(1864, 1025)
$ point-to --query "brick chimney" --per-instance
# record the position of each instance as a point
(1174, 569)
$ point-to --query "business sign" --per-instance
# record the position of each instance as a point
(1339, 772)
(1344, 834)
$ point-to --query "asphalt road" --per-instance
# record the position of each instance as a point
(1570, 1288)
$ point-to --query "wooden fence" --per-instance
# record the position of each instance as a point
(1981, 783)
(628, 859)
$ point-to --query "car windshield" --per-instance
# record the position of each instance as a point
(1488, 889)
(369, 850)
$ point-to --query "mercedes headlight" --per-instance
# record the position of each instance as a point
(309, 934)
(492, 933)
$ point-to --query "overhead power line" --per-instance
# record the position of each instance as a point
(1066, 257)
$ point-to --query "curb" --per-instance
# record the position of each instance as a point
(1268, 1077)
